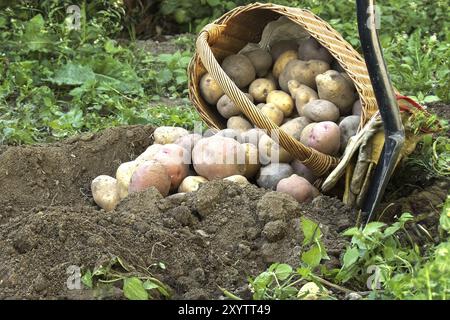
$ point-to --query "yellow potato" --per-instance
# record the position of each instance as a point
(260, 88)
(337, 88)
(191, 184)
(166, 135)
(237, 179)
(105, 193)
(123, 176)
(210, 89)
(295, 126)
(304, 72)
(282, 101)
(150, 152)
(282, 61)
(273, 113)
(252, 164)
(301, 94)
(239, 124)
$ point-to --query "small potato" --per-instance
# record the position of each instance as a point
(252, 136)
(176, 160)
(282, 61)
(210, 89)
(312, 49)
(335, 87)
(188, 142)
(150, 174)
(240, 69)
(322, 136)
(271, 151)
(295, 127)
(282, 101)
(304, 72)
(301, 94)
(303, 171)
(260, 88)
(261, 61)
(227, 108)
(105, 192)
(278, 48)
(270, 175)
(348, 127)
(150, 152)
(191, 184)
(230, 133)
(321, 110)
(252, 164)
(123, 176)
(166, 135)
(239, 124)
(357, 108)
(298, 187)
(273, 113)
(237, 179)
(218, 157)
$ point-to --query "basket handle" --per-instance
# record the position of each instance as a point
(318, 162)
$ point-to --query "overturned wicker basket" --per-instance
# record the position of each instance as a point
(230, 33)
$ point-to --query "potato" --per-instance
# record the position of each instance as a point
(357, 108)
(239, 124)
(230, 133)
(282, 101)
(273, 113)
(261, 61)
(218, 157)
(191, 183)
(260, 88)
(210, 132)
(303, 171)
(295, 127)
(188, 142)
(282, 61)
(312, 49)
(301, 94)
(150, 152)
(123, 176)
(148, 174)
(321, 110)
(304, 72)
(335, 87)
(210, 89)
(269, 76)
(237, 179)
(176, 160)
(309, 291)
(251, 136)
(166, 135)
(278, 48)
(105, 192)
(252, 164)
(298, 187)
(270, 175)
(240, 69)
(227, 108)
(271, 151)
(322, 136)
(348, 127)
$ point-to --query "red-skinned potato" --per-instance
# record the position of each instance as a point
(176, 160)
(270, 175)
(298, 187)
(123, 176)
(191, 184)
(150, 174)
(105, 193)
(166, 135)
(303, 171)
(210, 89)
(322, 136)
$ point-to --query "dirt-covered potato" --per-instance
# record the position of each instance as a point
(218, 157)
(312, 49)
(321, 110)
(303, 171)
(105, 192)
(188, 142)
(298, 187)
(295, 126)
(166, 135)
(230, 133)
(357, 108)
(191, 183)
(301, 94)
(304, 72)
(210, 89)
(335, 87)
(261, 61)
(150, 174)
(282, 101)
(176, 160)
(271, 151)
(322, 136)
(279, 47)
(227, 108)
(282, 61)
(260, 88)
(237, 179)
(240, 69)
(348, 127)
(252, 136)
(123, 176)
(150, 152)
(273, 113)
(252, 164)
(270, 175)
(239, 124)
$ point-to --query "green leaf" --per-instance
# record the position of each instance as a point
(73, 74)
(312, 257)
(86, 279)
(444, 220)
(36, 37)
(351, 232)
(149, 285)
(372, 227)
(351, 255)
(282, 271)
(133, 289)
(311, 231)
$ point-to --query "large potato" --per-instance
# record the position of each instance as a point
(252, 164)
(123, 176)
(301, 94)
(271, 151)
(150, 152)
(210, 89)
(279, 47)
(322, 136)
(312, 49)
(270, 175)
(298, 187)
(260, 88)
(188, 142)
(105, 192)
(282, 101)
(303, 171)
(252, 136)
(321, 110)
(273, 113)
(304, 72)
(295, 126)
(218, 157)
(348, 127)
(335, 87)
(166, 135)
(176, 160)
(261, 61)
(240, 69)
(282, 61)
(150, 174)
(191, 184)
(239, 124)
(227, 108)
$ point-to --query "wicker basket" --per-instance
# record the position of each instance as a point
(230, 33)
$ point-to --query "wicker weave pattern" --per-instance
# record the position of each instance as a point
(232, 32)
